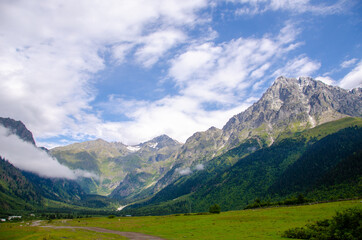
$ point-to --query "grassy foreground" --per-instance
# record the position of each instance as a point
(247, 224)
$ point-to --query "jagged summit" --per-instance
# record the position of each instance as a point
(289, 105)
(18, 128)
(297, 103)
(161, 142)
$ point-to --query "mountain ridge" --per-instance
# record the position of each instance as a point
(257, 174)
(113, 161)
(289, 105)
(18, 128)
(152, 169)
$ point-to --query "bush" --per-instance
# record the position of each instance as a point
(215, 209)
(345, 225)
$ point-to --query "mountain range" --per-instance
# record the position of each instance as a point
(299, 136)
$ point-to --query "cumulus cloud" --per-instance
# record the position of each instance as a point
(184, 171)
(178, 117)
(156, 44)
(199, 167)
(188, 171)
(27, 157)
(49, 53)
(299, 66)
(353, 79)
(214, 82)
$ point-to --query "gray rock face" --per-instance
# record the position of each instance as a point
(18, 128)
(296, 104)
(289, 105)
(200, 147)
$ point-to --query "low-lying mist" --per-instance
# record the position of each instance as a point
(28, 157)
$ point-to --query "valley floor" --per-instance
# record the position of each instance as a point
(266, 223)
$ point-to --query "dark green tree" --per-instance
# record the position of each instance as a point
(215, 209)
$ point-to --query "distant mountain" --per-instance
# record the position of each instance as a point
(18, 128)
(157, 157)
(301, 134)
(25, 191)
(321, 163)
(290, 105)
(113, 162)
(199, 148)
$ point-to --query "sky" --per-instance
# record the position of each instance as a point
(131, 70)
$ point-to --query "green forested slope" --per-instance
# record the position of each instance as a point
(16, 191)
(23, 191)
(304, 162)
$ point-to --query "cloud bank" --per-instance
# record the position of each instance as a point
(52, 55)
(27, 157)
(50, 52)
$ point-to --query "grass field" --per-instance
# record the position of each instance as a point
(247, 224)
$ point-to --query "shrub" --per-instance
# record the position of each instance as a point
(215, 209)
(345, 225)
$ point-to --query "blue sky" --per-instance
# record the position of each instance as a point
(129, 71)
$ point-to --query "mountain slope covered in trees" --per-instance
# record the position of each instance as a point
(299, 164)
(301, 137)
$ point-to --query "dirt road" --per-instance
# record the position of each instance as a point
(130, 235)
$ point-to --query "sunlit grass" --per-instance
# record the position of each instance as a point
(24, 232)
(247, 224)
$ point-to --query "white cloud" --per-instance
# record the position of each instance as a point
(326, 80)
(26, 156)
(215, 81)
(184, 171)
(353, 79)
(349, 63)
(199, 167)
(50, 51)
(221, 72)
(297, 67)
(178, 117)
(156, 44)
(253, 7)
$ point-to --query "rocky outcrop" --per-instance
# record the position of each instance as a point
(18, 128)
(292, 104)
(289, 105)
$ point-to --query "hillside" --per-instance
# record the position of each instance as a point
(16, 191)
(115, 162)
(301, 163)
(290, 105)
(22, 191)
(301, 137)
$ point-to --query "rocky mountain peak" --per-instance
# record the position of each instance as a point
(357, 91)
(295, 103)
(160, 142)
(289, 105)
(18, 128)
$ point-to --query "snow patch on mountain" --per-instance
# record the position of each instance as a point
(133, 148)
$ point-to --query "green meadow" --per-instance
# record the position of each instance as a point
(268, 223)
